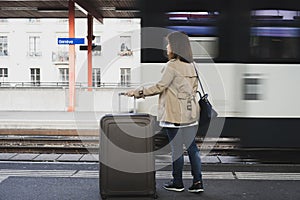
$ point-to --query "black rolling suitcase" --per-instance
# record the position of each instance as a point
(127, 167)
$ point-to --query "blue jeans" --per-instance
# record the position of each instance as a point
(186, 136)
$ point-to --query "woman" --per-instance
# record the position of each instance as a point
(178, 110)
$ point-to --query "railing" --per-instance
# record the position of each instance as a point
(65, 85)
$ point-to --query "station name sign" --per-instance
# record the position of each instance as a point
(66, 41)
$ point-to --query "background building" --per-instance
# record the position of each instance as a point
(34, 67)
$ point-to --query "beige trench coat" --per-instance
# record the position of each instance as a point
(177, 91)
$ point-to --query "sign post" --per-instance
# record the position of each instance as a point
(71, 41)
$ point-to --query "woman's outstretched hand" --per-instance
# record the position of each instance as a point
(129, 93)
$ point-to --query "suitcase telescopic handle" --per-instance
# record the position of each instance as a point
(134, 102)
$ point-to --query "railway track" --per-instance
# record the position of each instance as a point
(90, 144)
(43, 144)
(48, 144)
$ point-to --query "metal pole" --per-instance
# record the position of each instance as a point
(71, 107)
(90, 60)
(134, 105)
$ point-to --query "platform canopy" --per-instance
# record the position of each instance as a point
(99, 9)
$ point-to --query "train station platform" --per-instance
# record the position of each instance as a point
(47, 181)
(76, 175)
(94, 158)
(49, 120)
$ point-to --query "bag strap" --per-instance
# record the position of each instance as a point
(199, 81)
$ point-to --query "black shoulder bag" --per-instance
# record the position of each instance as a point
(207, 113)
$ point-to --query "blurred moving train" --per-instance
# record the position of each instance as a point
(250, 62)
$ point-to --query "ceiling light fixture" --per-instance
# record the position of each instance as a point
(18, 8)
(59, 10)
(51, 11)
(128, 11)
(108, 8)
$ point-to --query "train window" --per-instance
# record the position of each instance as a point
(193, 18)
(253, 85)
(204, 47)
(201, 29)
(275, 35)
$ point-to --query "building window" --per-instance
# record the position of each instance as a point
(3, 46)
(125, 46)
(64, 76)
(96, 77)
(125, 76)
(35, 74)
(61, 56)
(97, 46)
(3, 74)
(62, 53)
(35, 46)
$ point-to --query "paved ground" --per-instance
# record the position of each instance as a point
(53, 157)
(36, 181)
(88, 189)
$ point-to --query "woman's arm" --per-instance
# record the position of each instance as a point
(159, 87)
(166, 80)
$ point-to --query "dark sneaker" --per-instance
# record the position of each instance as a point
(172, 187)
(196, 187)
